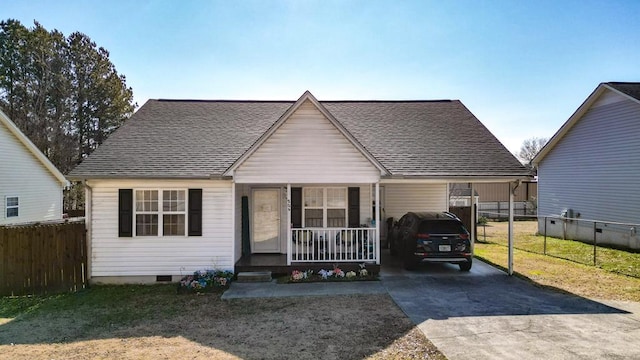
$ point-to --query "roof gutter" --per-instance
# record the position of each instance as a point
(116, 177)
(454, 178)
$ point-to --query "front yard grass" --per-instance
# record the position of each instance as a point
(583, 280)
(149, 322)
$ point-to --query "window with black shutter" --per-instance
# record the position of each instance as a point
(125, 213)
(296, 207)
(195, 212)
(354, 207)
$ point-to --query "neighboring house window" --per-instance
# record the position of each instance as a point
(153, 213)
(325, 207)
(12, 205)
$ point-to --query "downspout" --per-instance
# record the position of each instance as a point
(88, 218)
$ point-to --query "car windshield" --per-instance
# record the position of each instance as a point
(441, 227)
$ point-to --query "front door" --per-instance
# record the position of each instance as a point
(266, 221)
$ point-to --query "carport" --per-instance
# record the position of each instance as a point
(470, 181)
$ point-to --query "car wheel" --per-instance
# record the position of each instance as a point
(465, 266)
(410, 262)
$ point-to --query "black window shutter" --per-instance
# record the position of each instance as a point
(125, 213)
(195, 212)
(296, 207)
(354, 207)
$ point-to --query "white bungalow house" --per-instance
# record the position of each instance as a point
(30, 185)
(589, 170)
(187, 185)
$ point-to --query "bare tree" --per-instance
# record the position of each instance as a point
(529, 149)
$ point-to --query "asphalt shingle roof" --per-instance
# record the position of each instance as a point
(630, 88)
(199, 139)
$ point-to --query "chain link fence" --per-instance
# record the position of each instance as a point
(609, 245)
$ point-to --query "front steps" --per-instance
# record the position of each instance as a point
(254, 276)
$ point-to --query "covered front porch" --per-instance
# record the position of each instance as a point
(285, 226)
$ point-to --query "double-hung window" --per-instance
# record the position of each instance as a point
(325, 207)
(160, 210)
(12, 206)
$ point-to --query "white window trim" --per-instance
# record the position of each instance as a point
(325, 206)
(7, 207)
(160, 212)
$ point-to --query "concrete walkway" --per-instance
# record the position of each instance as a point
(485, 314)
(273, 289)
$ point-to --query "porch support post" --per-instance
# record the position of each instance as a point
(289, 249)
(377, 215)
(234, 223)
(510, 264)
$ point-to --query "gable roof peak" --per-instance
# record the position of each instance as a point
(631, 89)
(304, 97)
(32, 148)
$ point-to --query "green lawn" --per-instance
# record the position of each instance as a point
(525, 238)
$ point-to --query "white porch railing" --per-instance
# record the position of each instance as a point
(334, 245)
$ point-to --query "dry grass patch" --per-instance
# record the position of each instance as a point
(149, 322)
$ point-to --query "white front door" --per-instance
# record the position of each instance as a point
(266, 221)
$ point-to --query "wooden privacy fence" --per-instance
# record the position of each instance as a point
(42, 259)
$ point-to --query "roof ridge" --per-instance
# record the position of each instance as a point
(293, 101)
(224, 100)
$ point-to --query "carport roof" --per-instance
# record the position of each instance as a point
(202, 139)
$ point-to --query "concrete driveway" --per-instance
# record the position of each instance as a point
(485, 314)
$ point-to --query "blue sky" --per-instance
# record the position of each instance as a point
(522, 67)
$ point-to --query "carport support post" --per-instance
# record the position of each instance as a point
(510, 264)
(473, 217)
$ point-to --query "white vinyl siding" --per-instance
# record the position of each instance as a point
(307, 148)
(594, 169)
(402, 198)
(161, 255)
(22, 175)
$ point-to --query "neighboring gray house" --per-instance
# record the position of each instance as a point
(30, 185)
(590, 169)
(188, 185)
